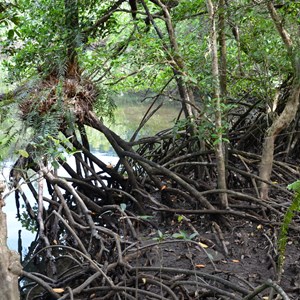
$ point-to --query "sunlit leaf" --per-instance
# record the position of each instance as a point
(180, 218)
(23, 153)
(295, 186)
(58, 290)
(202, 245)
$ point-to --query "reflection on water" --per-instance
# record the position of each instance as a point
(13, 225)
(127, 119)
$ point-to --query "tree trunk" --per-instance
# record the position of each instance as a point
(219, 148)
(176, 60)
(289, 112)
(72, 26)
(10, 267)
(223, 52)
(279, 124)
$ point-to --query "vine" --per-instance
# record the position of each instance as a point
(288, 217)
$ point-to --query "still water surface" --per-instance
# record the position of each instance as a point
(127, 119)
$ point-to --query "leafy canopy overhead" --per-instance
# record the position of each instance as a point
(130, 55)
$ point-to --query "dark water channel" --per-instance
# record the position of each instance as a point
(127, 119)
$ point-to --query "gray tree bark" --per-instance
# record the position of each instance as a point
(10, 266)
(289, 112)
(219, 147)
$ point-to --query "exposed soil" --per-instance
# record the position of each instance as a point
(181, 251)
(245, 253)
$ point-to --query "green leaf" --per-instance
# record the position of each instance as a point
(193, 235)
(55, 164)
(15, 19)
(179, 235)
(180, 218)
(160, 234)
(23, 153)
(10, 34)
(295, 186)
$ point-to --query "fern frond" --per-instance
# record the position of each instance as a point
(9, 139)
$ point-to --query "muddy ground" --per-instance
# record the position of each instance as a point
(242, 251)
